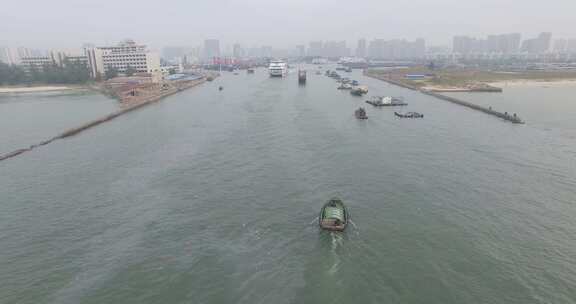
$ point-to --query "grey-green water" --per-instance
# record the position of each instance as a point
(211, 197)
(29, 118)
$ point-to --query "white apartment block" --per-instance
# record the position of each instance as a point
(121, 57)
(54, 57)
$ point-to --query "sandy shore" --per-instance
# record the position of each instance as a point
(34, 89)
(535, 83)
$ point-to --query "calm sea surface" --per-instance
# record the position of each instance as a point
(212, 197)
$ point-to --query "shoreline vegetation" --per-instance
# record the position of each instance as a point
(474, 80)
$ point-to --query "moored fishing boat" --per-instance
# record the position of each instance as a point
(301, 76)
(334, 216)
(386, 101)
(359, 91)
(360, 113)
(409, 115)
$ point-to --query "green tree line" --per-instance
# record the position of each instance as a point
(70, 72)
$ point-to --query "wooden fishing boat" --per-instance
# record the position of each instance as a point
(360, 113)
(385, 101)
(359, 91)
(409, 115)
(302, 76)
(334, 216)
(344, 86)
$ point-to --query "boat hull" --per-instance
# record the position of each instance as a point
(385, 104)
(327, 223)
(409, 116)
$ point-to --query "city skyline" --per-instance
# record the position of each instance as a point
(280, 24)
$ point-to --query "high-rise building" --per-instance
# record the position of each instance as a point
(54, 57)
(266, 51)
(238, 51)
(361, 48)
(14, 55)
(503, 44)
(396, 49)
(172, 53)
(335, 49)
(571, 45)
(464, 45)
(126, 54)
(560, 45)
(315, 48)
(538, 45)
(511, 43)
(565, 46)
(300, 50)
(8, 56)
(211, 49)
(418, 48)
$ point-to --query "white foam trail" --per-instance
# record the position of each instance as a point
(314, 220)
(353, 224)
(336, 241)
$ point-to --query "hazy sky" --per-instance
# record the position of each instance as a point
(280, 23)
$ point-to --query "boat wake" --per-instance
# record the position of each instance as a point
(314, 220)
(356, 230)
(336, 241)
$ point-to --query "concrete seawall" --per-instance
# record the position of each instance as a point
(505, 116)
(74, 131)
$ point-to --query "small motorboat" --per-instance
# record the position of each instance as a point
(386, 101)
(302, 76)
(359, 91)
(334, 216)
(409, 115)
(344, 86)
(360, 113)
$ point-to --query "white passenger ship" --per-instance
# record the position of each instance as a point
(277, 68)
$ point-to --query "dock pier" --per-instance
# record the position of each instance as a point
(511, 118)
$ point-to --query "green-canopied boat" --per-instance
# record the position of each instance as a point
(334, 215)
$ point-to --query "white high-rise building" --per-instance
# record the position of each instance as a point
(361, 48)
(211, 49)
(14, 55)
(126, 54)
(7, 56)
